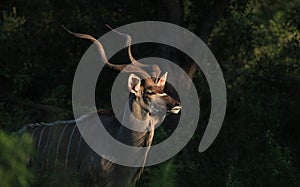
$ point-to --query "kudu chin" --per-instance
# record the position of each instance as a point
(60, 144)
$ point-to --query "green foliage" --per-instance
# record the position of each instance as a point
(13, 117)
(58, 178)
(271, 167)
(260, 58)
(58, 97)
(10, 22)
(256, 43)
(164, 175)
(14, 157)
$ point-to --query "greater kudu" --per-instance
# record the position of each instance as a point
(60, 144)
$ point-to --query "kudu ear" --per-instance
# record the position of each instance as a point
(134, 83)
(162, 80)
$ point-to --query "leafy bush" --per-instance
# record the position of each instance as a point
(14, 157)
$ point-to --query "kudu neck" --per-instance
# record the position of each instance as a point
(136, 124)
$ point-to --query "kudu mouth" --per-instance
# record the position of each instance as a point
(175, 110)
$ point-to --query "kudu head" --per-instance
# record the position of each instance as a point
(150, 96)
(147, 97)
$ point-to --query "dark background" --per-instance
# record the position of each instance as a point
(255, 42)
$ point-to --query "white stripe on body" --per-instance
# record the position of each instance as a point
(59, 141)
(69, 145)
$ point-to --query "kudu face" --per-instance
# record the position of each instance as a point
(151, 96)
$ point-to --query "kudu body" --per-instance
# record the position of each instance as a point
(61, 145)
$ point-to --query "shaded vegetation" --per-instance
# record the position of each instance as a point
(14, 157)
(256, 43)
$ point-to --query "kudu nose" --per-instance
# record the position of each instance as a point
(176, 108)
